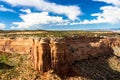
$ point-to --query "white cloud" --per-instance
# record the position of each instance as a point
(32, 19)
(94, 21)
(114, 2)
(26, 10)
(4, 9)
(110, 15)
(70, 11)
(2, 26)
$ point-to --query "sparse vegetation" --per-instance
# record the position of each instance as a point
(43, 33)
(100, 68)
(19, 67)
(16, 67)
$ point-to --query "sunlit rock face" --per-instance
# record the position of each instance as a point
(18, 45)
(59, 54)
(116, 47)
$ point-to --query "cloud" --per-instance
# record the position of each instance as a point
(32, 19)
(87, 22)
(4, 9)
(26, 10)
(2, 26)
(109, 15)
(114, 2)
(70, 11)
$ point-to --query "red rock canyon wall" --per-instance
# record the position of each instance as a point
(58, 54)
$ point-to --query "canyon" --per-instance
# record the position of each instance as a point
(59, 54)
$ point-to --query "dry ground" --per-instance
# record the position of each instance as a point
(19, 67)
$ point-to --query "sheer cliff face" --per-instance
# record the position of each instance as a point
(19, 45)
(59, 54)
(84, 48)
(41, 55)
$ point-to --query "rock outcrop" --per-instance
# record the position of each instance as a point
(116, 46)
(16, 45)
(41, 55)
(58, 54)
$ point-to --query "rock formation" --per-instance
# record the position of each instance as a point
(16, 45)
(58, 54)
(41, 55)
(116, 46)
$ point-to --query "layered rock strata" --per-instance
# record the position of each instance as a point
(58, 54)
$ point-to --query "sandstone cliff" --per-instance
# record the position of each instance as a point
(58, 54)
(115, 45)
(17, 45)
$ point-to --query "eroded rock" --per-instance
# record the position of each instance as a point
(59, 54)
(116, 47)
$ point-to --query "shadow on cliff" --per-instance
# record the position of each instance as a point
(97, 68)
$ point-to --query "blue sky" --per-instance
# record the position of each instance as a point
(60, 14)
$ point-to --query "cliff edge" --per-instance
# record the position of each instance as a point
(59, 54)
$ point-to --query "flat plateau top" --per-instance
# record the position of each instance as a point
(44, 33)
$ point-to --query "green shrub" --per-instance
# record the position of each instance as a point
(3, 58)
